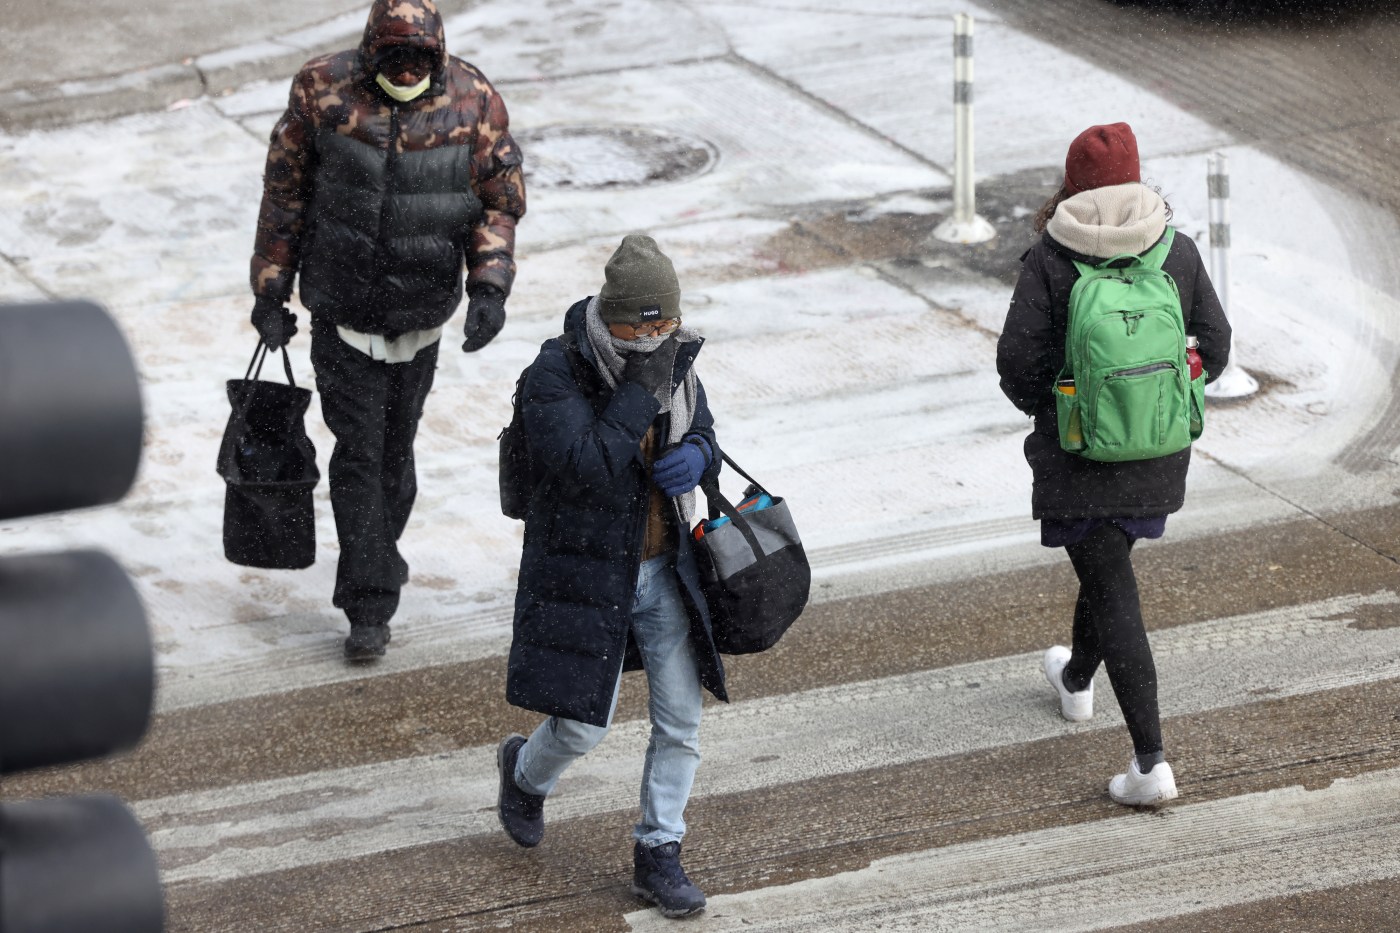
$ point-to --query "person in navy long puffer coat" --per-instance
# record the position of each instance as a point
(608, 581)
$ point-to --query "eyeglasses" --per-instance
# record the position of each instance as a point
(659, 329)
(400, 59)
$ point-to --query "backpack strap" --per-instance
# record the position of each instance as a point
(1157, 255)
(578, 366)
(1152, 259)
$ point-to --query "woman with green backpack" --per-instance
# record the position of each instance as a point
(1095, 350)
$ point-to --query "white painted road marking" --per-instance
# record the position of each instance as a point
(1129, 869)
(308, 819)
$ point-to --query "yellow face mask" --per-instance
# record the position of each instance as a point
(399, 93)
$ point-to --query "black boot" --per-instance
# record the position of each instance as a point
(521, 814)
(658, 877)
(366, 642)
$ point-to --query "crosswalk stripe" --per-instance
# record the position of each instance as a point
(1108, 873)
(279, 824)
(403, 713)
(814, 828)
(284, 654)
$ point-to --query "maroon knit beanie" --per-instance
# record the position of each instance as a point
(1102, 156)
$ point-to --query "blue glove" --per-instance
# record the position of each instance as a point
(678, 470)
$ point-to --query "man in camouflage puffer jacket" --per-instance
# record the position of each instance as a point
(391, 168)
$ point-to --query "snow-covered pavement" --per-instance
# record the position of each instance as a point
(849, 366)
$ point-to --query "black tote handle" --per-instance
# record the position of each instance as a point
(260, 354)
(255, 371)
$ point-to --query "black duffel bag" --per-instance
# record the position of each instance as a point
(269, 466)
(753, 570)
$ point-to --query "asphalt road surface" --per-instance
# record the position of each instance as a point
(897, 762)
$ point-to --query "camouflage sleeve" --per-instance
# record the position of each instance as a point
(500, 184)
(287, 184)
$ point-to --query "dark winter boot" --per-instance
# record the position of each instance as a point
(657, 876)
(366, 642)
(521, 814)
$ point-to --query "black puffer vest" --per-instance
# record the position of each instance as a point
(387, 234)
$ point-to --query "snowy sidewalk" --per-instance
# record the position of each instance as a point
(850, 366)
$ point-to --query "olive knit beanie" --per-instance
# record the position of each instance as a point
(640, 284)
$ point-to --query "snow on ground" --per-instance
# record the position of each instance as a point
(864, 390)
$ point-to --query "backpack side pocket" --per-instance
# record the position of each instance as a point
(1068, 419)
(1198, 405)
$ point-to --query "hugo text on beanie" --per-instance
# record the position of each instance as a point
(641, 284)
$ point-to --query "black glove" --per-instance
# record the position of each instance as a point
(276, 325)
(652, 371)
(486, 315)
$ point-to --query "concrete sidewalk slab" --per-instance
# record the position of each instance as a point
(76, 60)
(129, 217)
(895, 75)
(48, 42)
(529, 40)
(146, 57)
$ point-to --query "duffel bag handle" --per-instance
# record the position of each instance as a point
(715, 512)
(740, 470)
(719, 505)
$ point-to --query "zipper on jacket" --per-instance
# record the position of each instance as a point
(388, 187)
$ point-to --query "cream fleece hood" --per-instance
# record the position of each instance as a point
(1110, 221)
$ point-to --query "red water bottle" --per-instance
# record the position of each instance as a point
(1193, 358)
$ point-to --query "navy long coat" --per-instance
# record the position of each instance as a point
(1031, 352)
(583, 535)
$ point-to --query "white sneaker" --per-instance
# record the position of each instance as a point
(1135, 789)
(1076, 707)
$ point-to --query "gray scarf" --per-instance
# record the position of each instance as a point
(609, 354)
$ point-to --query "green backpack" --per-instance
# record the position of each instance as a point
(1125, 392)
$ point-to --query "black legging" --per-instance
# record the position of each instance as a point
(1108, 628)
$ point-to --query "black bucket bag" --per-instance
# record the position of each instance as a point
(269, 466)
(753, 570)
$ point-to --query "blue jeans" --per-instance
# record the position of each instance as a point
(661, 628)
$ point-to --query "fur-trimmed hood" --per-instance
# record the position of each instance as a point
(1111, 221)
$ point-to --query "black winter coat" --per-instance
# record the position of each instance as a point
(377, 203)
(388, 232)
(583, 536)
(1030, 354)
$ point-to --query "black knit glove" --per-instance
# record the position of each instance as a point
(486, 315)
(276, 325)
(652, 371)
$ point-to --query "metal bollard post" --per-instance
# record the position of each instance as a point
(964, 226)
(1234, 382)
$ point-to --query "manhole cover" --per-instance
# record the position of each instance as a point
(585, 157)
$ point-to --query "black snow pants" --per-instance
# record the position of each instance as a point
(372, 408)
(1108, 629)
